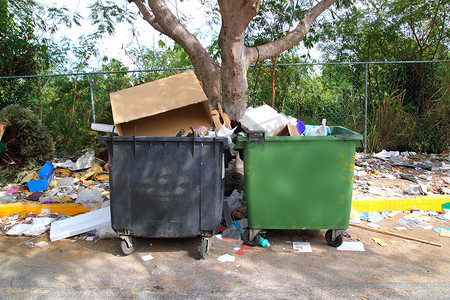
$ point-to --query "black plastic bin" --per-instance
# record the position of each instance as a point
(165, 187)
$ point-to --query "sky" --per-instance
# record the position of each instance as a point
(116, 46)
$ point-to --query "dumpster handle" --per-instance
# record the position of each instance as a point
(134, 139)
(112, 142)
(193, 142)
(344, 136)
(256, 136)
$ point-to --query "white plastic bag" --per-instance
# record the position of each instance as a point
(226, 133)
(319, 130)
(90, 198)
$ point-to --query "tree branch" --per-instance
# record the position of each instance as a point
(274, 48)
(147, 15)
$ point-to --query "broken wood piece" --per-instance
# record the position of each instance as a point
(397, 235)
(224, 116)
(216, 119)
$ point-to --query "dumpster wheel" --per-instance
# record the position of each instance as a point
(247, 241)
(128, 245)
(329, 238)
(204, 247)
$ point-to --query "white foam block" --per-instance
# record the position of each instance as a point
(79, 224)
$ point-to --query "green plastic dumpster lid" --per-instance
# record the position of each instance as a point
(338, 133)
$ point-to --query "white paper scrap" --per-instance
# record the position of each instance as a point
(301, 247)
(18, 229)
(90, 238)
(226, 258)
(373, 225)
(351, 246)
(41, 244)
(147, 257)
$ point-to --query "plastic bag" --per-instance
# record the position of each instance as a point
(90, 198)
(235, 199)
(226, 133)
(319, 130)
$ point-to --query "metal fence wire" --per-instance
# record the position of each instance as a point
(395, 105)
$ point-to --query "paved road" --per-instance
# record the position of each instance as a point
(76, 268)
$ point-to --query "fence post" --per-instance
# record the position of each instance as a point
(92, 97)
(365, 108)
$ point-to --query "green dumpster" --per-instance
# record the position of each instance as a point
(299, 182)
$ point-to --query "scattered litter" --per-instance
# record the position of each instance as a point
(18, 229)
(90, 238)
(79, 224)
(147, 257)
(90, 198)
(398, 216)
(240, 251)
(29, 244)
(446, 207)
(46, 173)
(264, 243)
(355, 217)
(300, 247)
(380, 242)
(351, 246)
(234, 200)
(439, 230)
(226, 258)
(411, 222)
(397, 235)
(86, 161)
(375, 217)
(385, 155)
(445, 233)
(233, 233)
(373, 225)
(41, 244)
(400, 228)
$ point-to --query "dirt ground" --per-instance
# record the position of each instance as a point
(76, 267)
(97, 269)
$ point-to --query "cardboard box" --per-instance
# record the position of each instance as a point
(162, 107)
(287, 129)
(46, 173)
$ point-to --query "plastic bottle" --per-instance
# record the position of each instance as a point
(264, 243)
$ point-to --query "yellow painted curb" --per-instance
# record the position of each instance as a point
(430, 202)
(67, 209)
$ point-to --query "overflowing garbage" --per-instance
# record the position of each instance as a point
(84, 182)
(392, 174)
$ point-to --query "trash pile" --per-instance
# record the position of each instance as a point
(404, 220)
(268, 120)
(394, 174)
(84, 182)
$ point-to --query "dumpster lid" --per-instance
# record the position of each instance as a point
(337, 133)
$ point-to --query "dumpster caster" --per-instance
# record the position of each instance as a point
(204, 247)
(128, 244)
(250, 242)
(337, 235)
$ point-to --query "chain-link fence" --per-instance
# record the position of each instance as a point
(401, 105)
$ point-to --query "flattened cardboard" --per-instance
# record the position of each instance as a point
(162, 107)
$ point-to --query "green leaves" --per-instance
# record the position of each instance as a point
(106, 15)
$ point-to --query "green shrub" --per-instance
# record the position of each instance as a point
(28, 141)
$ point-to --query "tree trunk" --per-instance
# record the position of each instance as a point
(236, 57)
(236, 14)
